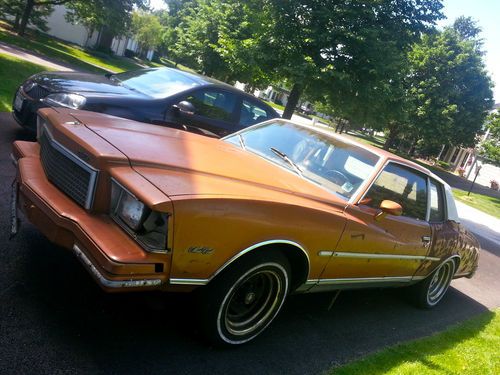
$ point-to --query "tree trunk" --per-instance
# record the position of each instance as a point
(26, 16)
(17, 20)
(293, 99)
(393, 134)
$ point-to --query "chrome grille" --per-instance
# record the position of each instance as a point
(37, 92)
(65, 170)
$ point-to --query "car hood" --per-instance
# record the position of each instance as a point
(81, 83)
(182, 163)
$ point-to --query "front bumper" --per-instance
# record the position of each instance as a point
(110, 255)
(26, 116)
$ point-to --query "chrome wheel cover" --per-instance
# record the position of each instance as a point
(252, 303)
(440, 282)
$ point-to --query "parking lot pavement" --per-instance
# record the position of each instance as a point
(54, 319)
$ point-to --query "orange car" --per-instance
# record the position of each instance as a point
(275, 209)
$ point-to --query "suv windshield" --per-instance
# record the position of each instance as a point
(339, 166)
(158, 83)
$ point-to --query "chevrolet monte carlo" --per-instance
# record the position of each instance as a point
(274, 209)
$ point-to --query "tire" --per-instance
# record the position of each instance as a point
(430, 291)
(242, 301)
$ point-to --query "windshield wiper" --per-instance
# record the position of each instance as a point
(285, 157)
(242, 142)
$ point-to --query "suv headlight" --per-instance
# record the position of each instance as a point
(148, 227)
(74, 101)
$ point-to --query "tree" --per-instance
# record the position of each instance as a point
(37, 17)
(449, 90)
(93, 14)
(114, 15)
(347, 44)
(490, 148)
(311, 45)
(146, 29)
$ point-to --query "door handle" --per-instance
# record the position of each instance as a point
(426, 240)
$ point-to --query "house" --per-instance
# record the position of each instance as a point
(60, 28)
(467, 160)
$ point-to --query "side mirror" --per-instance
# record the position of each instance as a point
(389, 207)
(184, 107)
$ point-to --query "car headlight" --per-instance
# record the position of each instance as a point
(74, 101)
(148, 227)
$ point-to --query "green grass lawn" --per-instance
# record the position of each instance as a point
(13, 72)
(69, 53)
(274, 105)
(472, 347)
(484, 203)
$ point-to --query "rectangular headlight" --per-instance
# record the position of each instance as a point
(148, 227)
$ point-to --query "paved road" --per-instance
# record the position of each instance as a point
(54, 319)
(32, 57)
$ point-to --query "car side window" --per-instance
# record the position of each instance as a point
(214, 104)
(436, 202)
(401, 185)
(251, 113)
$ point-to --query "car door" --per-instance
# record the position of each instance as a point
(215, 110)
(388, 249)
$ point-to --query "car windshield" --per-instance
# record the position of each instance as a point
(158, 83)
(338, 166)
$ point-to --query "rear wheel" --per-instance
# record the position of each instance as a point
(240, 303)
(432, 289)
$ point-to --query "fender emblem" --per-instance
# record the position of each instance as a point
(200, 250)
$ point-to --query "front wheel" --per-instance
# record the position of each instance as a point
(241, 302)
(432, 289)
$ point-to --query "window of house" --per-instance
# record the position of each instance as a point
(437, 203)
(401, 185)
(218, 105)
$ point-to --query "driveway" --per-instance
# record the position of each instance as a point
(54, 319)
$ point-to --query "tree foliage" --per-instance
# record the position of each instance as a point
(147, 29)
(113, 14)
(15, 8)
(449, 90)
(490, 148)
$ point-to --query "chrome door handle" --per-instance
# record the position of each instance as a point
(426, 240)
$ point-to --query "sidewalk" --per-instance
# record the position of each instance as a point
(479, 222)
(33, 58)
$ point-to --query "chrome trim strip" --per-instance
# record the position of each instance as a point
(341, 254)
(260, 244)
(112, 283)
(235, 257)
(13, 159)
(91, 170)
(417, 278)
(361, 280)
(325, 253)
(189, 281)
(428, 208)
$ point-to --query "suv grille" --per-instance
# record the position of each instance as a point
(70, 174)
(38, 92)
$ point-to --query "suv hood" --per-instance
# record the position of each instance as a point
(182, 163)
(81, 83)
